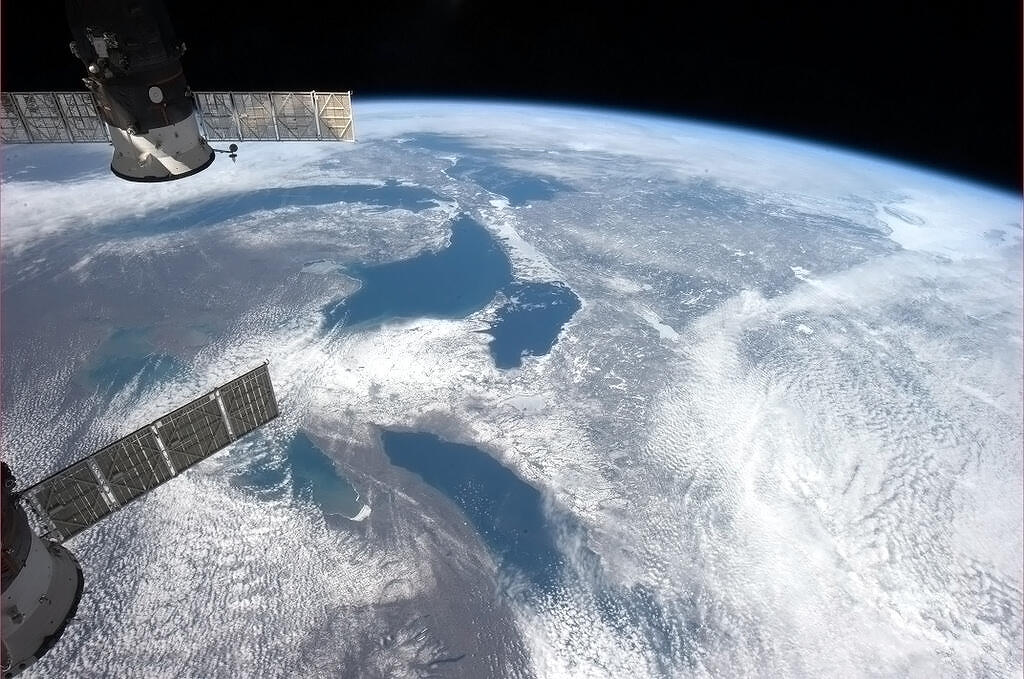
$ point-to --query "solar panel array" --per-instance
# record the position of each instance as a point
(50, 117)
(61, 117)
(75, 498)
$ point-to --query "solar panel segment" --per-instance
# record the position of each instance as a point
(78, 496)
(54, 117)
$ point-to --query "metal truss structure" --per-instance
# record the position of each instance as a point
(78, 496)
(72, 117)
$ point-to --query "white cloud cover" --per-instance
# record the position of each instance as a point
(845, 502)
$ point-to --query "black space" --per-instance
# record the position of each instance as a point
(935, 85)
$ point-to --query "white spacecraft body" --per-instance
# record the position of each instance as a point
(42, 581)
(39, 602)
(162, 153)
(133, 64)
(139, 101)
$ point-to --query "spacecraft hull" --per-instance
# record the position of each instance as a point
(133, 61)
(161, 154)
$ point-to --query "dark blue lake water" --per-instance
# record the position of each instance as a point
(128, 353)
(520, 188)
(454, 282)
(314, 477)
(391, 195)
(530, 321)
(451, 283)
(482, 166)
(507, 512)
(510, 517)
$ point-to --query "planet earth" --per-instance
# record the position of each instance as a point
(564, 392)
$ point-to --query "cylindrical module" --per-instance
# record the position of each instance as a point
(42, 585)
(133, 60)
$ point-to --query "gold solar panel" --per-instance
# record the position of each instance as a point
(50, 117)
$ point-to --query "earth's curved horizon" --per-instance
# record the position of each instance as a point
(564, 392)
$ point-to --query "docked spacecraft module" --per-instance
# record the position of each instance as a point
(134, 70)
